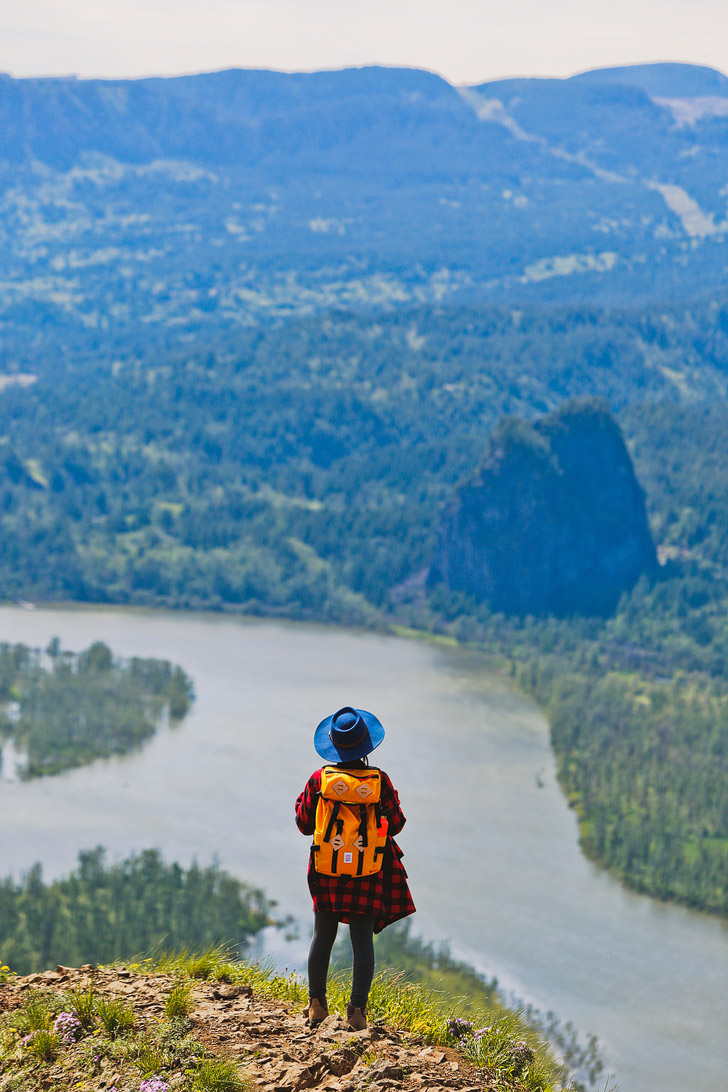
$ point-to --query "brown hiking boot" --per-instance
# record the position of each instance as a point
(356, 1018)
(317, 1011)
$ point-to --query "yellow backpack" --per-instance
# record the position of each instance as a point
(351, 831)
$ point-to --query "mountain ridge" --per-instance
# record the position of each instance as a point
(236, 197)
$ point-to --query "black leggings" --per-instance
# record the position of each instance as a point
(361, 932)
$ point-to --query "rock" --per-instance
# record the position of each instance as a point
(362, 1038)
(553, 522)
(298, 1077)
(341, 1061)
(383, 1069)
(432, 1055)
(225, 992)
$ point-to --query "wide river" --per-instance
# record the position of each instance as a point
(491, 846)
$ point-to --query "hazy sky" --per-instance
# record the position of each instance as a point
(464, 40)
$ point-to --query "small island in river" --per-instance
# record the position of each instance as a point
(60, 709)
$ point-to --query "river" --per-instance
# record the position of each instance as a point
(491, 847)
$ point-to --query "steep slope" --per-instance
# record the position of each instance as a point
(554, 521)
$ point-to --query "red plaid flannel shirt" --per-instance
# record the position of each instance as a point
(385, 895)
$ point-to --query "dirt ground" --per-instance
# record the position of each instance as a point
(270, 1040)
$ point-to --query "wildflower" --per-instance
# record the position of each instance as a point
(68, 1026)
(523, 1055)
(458, 1027)
(154, 1084)
(480, 1033)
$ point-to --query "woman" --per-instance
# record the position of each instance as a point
(367, 903)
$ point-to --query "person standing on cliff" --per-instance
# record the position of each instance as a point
(367, 903)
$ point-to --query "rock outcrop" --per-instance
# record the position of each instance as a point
(554, 520)
(268, 1040)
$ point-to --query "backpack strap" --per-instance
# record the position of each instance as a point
(363, 825)
(362, 837)
(335, 852)
(379, 812)
(334, 816)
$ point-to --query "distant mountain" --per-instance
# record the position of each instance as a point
(272, 121)
(219, 200)
(662, 80)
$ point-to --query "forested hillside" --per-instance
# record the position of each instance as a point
(304, 468)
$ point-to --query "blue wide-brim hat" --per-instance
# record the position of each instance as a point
(347, 734)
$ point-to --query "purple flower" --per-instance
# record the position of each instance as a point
(458, 1027)
(68, 1026)
(523, 1055)
(154, 1084)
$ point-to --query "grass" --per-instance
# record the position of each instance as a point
(220, 1075)
(147, 1055)
(115, 1016)
(43, 1044)
(36, 1013)
(499, 1048)
(510, 1049)
(178, 1002)
(82, 1003)
(212, 963)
